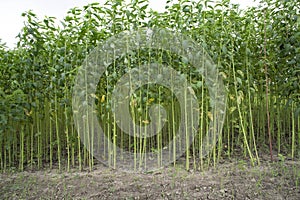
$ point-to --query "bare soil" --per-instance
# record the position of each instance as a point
(229, 180)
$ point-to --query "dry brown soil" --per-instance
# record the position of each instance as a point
(229, 180)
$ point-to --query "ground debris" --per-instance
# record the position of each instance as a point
(227, 181)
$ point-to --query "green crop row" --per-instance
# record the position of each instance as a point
(257, 53)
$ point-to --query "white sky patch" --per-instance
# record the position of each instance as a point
(11, 20)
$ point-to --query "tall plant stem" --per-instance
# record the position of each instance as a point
(22, 149)
(249, 101)
(57, 130)
(239, 109)
(293, 132)
(267, 87)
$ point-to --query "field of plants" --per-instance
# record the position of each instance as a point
(257, 55)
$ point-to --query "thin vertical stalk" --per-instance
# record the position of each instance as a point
(293, 132)
(239, 109)
(21, 166)
(267, 87)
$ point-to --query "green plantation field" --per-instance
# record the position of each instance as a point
(220, 98)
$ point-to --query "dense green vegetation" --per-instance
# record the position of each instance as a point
(257, 52)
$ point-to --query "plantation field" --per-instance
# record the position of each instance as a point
(201, 101)
(233, 179)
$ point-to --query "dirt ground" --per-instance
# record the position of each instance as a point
(229, 180)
